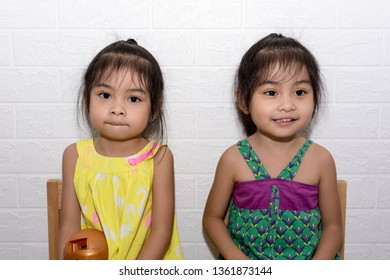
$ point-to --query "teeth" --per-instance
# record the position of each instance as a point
(284, 120)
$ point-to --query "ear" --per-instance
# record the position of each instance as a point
(241, 103)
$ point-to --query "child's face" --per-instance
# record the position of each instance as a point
(119, 107)
(283, 104)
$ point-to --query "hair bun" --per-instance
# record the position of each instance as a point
(132, 42)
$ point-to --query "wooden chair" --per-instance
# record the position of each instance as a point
(54, 194)
(342, 187)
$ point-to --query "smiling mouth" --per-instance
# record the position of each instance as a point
(286, 120)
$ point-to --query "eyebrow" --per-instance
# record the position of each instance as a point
(277, 83)
(140, 90)
(303, 82)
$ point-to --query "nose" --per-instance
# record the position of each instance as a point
(287, 104)
(117, 109)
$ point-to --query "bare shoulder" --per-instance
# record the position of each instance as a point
(163, 155)
(232, 166)
(230, 155)
(69, 160)
(70, 153)
(163, 166)
(324, 162)
(321, 153)
(163, 174)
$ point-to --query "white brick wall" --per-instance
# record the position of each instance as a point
(45, 45)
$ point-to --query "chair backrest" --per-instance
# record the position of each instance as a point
(342, 187)
(54, 194)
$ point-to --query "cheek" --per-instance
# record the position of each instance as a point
(309, 112)
(93, 119)
(97, 107)
(149, 114)
(92, 111)
(260, 109)
(95, 114)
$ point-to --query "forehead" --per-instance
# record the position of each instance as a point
(280, 72)
(121, 78)
(114, 76)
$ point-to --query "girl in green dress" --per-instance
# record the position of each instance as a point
(278, 188)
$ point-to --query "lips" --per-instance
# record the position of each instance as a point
(284, 121)
(116, 124)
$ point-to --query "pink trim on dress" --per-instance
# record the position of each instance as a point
(147, 154)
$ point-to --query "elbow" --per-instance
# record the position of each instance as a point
(205, 223)
(341, 235)
(164, 237)
(166, 240)
(336, 233)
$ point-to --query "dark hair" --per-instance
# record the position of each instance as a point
(122, 56)
(257, 64)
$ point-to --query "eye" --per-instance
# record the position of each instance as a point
(134, 99)
(105, 95)
(300, 92)
(270, 93)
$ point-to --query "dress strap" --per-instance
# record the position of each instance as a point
(147, 152)
(289, 172)
(257, 167)
(252, 160)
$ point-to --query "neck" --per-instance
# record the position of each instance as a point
(276, 144)
(111, 148)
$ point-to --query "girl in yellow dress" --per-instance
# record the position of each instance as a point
(121, 181)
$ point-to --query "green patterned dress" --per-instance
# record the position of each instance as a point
(274, 218)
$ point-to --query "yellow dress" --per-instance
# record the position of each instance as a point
(115, 196)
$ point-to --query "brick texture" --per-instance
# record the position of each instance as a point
(46, 44)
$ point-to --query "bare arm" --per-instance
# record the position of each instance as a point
(70, 209)
(329, 204)
(163, 207)
(216, 206)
